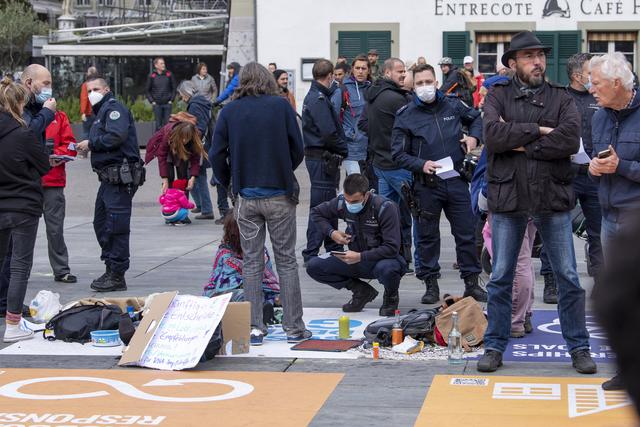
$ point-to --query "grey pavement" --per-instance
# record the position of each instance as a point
(179, 258)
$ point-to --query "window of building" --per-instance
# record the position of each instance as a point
(145, 3)
(490, 48)
(624, 42)
(83, 3)
(105, 2)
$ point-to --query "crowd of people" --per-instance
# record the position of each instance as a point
(404, 141)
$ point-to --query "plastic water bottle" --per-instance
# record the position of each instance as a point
(397, 332)
(455, 342)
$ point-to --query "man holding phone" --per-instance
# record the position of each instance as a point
(616, 168)
(373, 237)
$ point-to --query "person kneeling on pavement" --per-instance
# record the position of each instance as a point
(373, 237)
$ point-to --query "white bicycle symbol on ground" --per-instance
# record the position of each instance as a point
(239, 389)
(595, 331)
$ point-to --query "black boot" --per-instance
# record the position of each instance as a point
(432, 294)
(114, 282)
(550, 293)
(472, 289)
(100, 280)
(614, 384)
(390, 302)
(362, 294)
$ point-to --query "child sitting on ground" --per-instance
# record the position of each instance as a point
(226, 274)
(175, 205)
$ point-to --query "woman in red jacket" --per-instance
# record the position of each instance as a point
(59, 138)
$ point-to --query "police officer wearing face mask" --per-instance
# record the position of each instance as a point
(373, 236)
(115, 157)
(425, 131)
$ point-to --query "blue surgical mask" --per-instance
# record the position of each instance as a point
(355, 208)
(44, 95)
(587, 85)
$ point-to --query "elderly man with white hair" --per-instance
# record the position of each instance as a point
(616, 141)
(616, 161)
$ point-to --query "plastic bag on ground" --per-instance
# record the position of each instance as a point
(44, 306)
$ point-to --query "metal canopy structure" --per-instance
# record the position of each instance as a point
(139, 29)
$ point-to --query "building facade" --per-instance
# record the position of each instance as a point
(295, 33)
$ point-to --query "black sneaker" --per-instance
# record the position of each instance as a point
(363, 293)
(614, 384)
(550, 293)
(583, 363)
(390, 302)
(114, 282)
(472, 289)
(205, 216)
(528, 326)
(490, 361)
(302, 336)
(432, 294)
(66, 278)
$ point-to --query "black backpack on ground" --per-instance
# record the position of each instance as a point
(75, 324)
(418, 324)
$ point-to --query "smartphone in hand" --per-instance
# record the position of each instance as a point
(338, 253)
(604, 153)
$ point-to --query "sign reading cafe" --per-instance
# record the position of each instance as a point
(559, 8)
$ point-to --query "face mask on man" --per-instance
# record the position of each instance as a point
(426, 93)
(44, 95)
(355, 208)
(95, 97)
(587, 85)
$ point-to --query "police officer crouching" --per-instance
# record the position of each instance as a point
(115, 157)
(427, 130)
(373, 236)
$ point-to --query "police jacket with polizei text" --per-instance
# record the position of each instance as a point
(161, 87)
(375, 230)
(587, 106)
(112, 137)
(619, 191)
(321, 128)
(433, 131)
(538, 180)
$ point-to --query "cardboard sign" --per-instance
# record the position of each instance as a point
(236, 328)
(501, 401)
(143, 397)
(175, 331)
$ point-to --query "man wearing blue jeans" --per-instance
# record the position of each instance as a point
(531, 129)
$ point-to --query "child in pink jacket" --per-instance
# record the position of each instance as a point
(175, 205)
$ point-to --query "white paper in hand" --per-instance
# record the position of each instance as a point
(581, 157)
(446, 171)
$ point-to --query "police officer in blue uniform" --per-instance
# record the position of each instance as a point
(426, 130)
(324, 148)
(115, 157)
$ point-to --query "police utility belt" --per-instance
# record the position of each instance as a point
(331, 161)
(133, 174)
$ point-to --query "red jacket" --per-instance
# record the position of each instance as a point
(60, 131)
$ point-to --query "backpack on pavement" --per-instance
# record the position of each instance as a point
(471, 322)
(75, 324)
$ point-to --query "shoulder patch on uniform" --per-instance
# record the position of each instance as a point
(114, 115)
(401, 109)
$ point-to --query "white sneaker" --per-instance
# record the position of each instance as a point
(14, 333)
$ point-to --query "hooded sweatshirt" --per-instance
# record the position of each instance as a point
(384, 99)
(353, 102)
(23, 162)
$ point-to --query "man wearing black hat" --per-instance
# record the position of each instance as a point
(531, 129)
(375, 71)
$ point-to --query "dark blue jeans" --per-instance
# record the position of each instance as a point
(452, 196)
(323, 188)
(587, 194)
(507, 234)
(162, 112)
(390, 186)
(337, 274)
(200, 193)
(112, 225)
(17, 239)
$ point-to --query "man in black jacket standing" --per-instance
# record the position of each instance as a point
(385, 97)
(161, 90)
(531, 129)
(324, 148)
